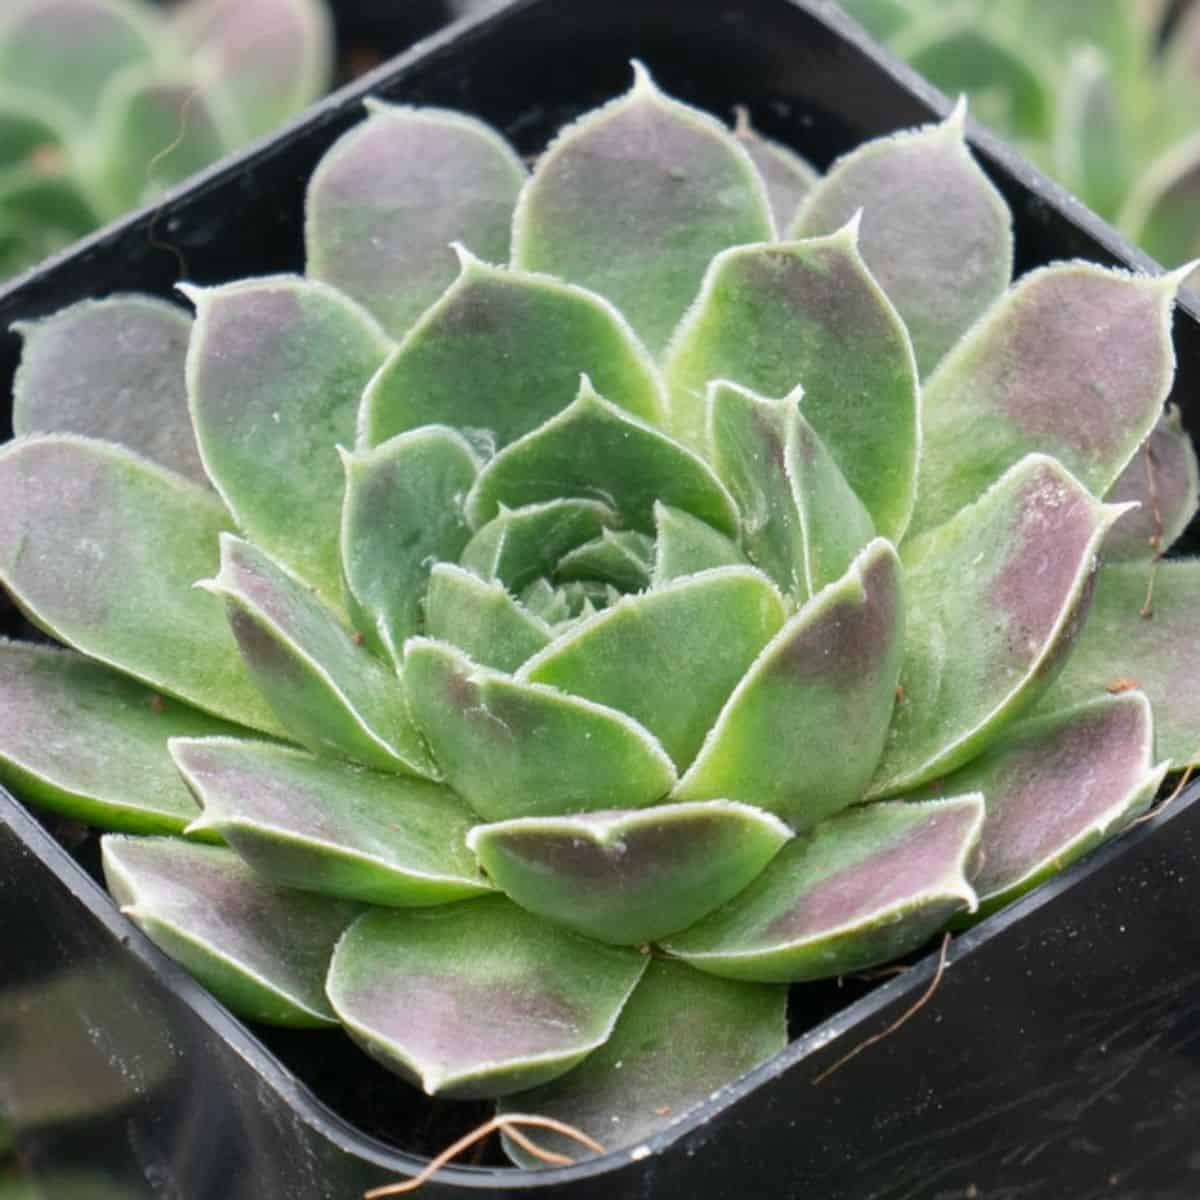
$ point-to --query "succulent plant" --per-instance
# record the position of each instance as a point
(537, 667)
(106, 103)
(1102, 96)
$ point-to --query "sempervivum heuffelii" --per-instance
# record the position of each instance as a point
(680, 592)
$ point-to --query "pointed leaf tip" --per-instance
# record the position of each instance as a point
(634, 199)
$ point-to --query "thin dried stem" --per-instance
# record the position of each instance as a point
(185, 111)
(899, 1021)
(1184, 780)
(507, 1123)
(1147, 609)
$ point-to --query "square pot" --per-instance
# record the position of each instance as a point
(1058, 1056)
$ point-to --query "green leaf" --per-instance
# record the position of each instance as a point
(88, 742)
(1074, 361)
(1055, 787)
(520, 545)
(803, 524)
(1164, 480)
(101, 548)
(680, 1039)
(623, 559)
(935, 232)
(883, 18)
(802, 732)
(670, 657)
(47, 203)
(389, 198)
(329, 693)
(32, 125)
(481, 619)
(267, 60)
(788, 177)
(1158, 653)
(328, 827)
(517, 749)
(981, 648)
(154, 130)
(685, 545)
(479, 998)
(69, 49)
(501, 352)
(634, 199)
(1000, 72)
(772, 317)
(1092, 143)
(1160, 213)
(111, 369)
(629, 878)
(275, 371)
(402, 513)
(260, 949)
(864, 887)
(595, 450)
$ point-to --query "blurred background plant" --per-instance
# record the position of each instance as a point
(1103, 95)
(106, 103)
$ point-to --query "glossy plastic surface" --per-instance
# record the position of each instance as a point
(1060, 1056)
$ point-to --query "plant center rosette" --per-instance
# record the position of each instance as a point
(535, 668)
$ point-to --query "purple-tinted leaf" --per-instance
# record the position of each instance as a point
(389, 197)
(1056, 786)
(329, 827)
(995, 599)
(789, 178)
(595, 450)
(478, 998)
(501, 352)
(1163, 479)
(260, 949)
(670, 657)
(866, 886)
(275, 372)
(680, 1039)
(267, 59)
(802, 523)
(517, 749)
(70, 49)
(101, 548)
(402, 513)
(86, 741)
(802, 732)
(776, 316)
(111, 369)
(634, 199)
(935, 233)
(1159, 652)
(1075, 361)
(328, 691)
(629, 878)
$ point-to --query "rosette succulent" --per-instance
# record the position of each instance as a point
(105, 103)
(1102, 95)
(535, 657)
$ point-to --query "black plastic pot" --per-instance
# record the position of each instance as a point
(1059, 1058)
